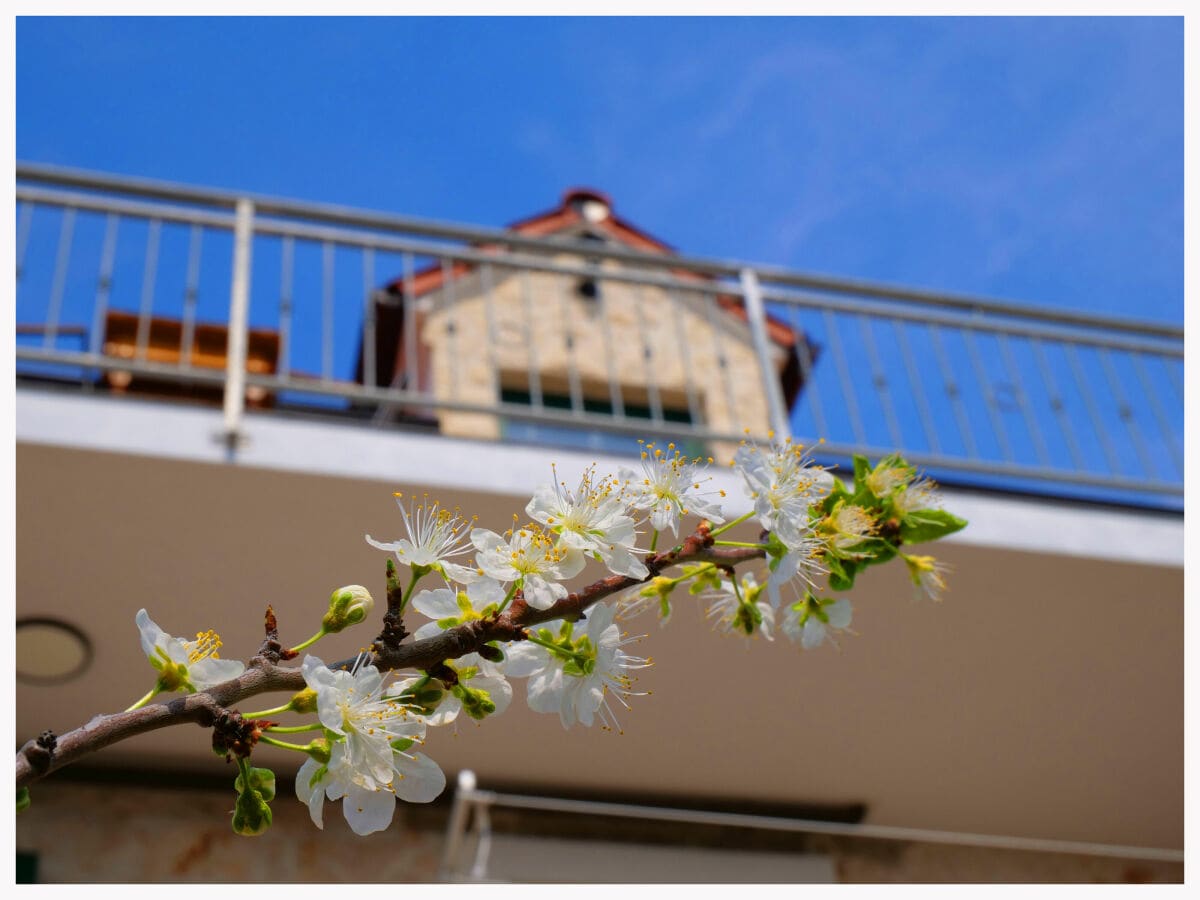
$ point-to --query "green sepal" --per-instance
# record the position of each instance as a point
(402, 744)
(837, 494)
(491, 652)
(425, 696)
(316, 777)
(251, 814)
(476, 702)
(23, 800)
(261, 780)
(321, 749)
(928, 525)
(707, 577)
(862, 468)
(748, 618)
(841, 572)
(885, 552)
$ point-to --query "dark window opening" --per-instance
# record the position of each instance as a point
(599, 407)
(567, 434)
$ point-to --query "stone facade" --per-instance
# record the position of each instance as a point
(599, 340)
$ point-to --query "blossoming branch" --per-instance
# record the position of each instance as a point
(496, 607)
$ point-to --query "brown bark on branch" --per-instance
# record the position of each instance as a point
(263, 675)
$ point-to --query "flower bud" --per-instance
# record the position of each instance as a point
(347, 606)
(251, 814)
(304, 702)
(319, 749)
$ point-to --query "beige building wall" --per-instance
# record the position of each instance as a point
(677, 348)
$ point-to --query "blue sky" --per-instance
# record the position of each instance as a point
(1036, 160)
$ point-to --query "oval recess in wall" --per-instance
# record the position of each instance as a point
(51, 651)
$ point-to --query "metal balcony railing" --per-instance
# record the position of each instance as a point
(133, 285)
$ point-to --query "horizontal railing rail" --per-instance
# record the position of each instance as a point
(139, 286)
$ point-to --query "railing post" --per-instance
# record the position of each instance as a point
(456, 828)
(756, 315)
(239, 314)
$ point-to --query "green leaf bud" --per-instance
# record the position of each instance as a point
(23, 800)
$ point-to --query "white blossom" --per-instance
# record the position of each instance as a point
(578, 675)
(917, 495)
(530, 556)
(482, 690)
(801, 562)
(416, 779)
(928, 574)
(669, 489)
(592, 519)
(783, 483)
(370, 762)
(184, 665)
(810, 621)
(451, 606)
(742, 614)
(435, 535)
(353, 706)
(846, 528)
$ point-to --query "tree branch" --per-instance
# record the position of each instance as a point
(35, 760)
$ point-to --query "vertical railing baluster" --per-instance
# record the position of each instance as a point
(191, 294)
(849, 392)
(685, 357)
(914, 378)
(756, 318)
(286, 262)
(493, 333)
(449, 302)
(989, 393)
(615, 396)
(717, 329)
(368, 354)
(58, 286)
(239, 319)
(1160, 416)
(24, 229)
(149, 274)
(327, 263)
(1057, 405)
(649, 370)
(409, 312)
(1175, 378)
(574, 387)
(104, 281)
(531, 341)
(953, 391)
(1081, 383)
(880, 380)
(1014, 372)
(807, 385)
(1125, 413)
